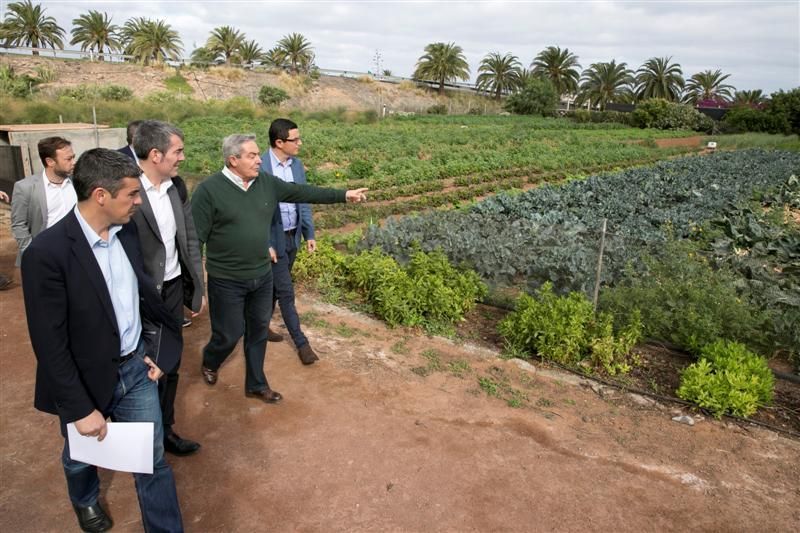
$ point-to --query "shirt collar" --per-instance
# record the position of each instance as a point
(91, 235)
(148, 185)
(236, 179)
(277, 162)
(48, 183)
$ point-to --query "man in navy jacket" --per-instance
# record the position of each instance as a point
(291, 223)
(98, 326)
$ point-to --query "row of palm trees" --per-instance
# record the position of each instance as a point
(154, 41)
(600, 84)
(147, 40)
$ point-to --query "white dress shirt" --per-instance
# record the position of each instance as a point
(61, 198)
(283, 170)
(239, 182)
(165, 218)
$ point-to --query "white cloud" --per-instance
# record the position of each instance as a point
(758, 43)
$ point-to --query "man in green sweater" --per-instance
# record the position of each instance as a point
(232, 210)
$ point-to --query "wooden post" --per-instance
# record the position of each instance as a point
(60, 119)
(599, 264)
(96, 131)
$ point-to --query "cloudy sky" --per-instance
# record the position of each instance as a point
(758, 43)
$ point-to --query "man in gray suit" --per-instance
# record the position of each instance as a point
(169, 245)
(41, 200)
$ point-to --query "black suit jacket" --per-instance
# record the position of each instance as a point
(72, 324)
(128, 151)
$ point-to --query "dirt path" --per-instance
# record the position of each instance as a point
(390, 431)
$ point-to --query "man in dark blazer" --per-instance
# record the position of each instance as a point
(290, 223)
(100, 333)
(170, 247)
(128, 150)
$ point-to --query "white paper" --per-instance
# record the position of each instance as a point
(128, 447)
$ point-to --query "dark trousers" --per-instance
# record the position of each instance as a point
(283, 292)
(172, 294)
(236, 308)
(135, 399)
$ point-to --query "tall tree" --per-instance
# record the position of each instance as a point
(296, 51)
(604, 83)
(94, 31)
(708, 85)
(442, 62)
(752, 98)
(658, 78)
(250, 52)
(498, 74)
(25, 24)
(559, 66)
(151, 41)
(225, 41)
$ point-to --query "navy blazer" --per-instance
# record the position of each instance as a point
(305, 223)
(72, 324)
(127, 150)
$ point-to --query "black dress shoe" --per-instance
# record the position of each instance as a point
(274, 336)
(307, 355)
(93, 518)
(268, 395)
(178, 446)
(209, 376)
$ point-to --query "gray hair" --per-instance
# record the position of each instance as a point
(232, 144)
(153, 134)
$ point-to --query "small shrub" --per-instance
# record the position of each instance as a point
(567, 330)
(684, 301)
(360, 169)
(538, 97)
(661, 114)
(45, 74)
(115, 93)
(728, 378)
(271, 96)
(178, 84)
(437, 109)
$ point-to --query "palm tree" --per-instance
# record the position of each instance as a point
(442, 62)
(250, 52)
(26, 25)
(94, 31)
(658, 78)
(604, 83)
(752, 98)
(525, 76)
(498, 74)
(297, 51)
(561, 67)
(203, 56)
(708, 85)
(225, 41)
(151, 40)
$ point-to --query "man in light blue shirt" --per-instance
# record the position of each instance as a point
(290, 224)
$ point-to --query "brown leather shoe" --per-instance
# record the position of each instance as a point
(274, 336)
(210, 376)
(268, 395)
(307, 355)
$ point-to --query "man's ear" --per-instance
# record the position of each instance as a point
(100, 196)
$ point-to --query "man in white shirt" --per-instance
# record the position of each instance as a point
(41, 200)
(170, 247)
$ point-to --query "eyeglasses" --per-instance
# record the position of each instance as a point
(296, 139)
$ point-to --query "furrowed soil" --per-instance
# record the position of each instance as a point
(396, 431)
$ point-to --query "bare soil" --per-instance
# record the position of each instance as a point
(223, 83)
(396, 431)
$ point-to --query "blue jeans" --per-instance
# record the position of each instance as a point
(283, 293)
(240, 307)
(135, 399)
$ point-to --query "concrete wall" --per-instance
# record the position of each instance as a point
(81, 139)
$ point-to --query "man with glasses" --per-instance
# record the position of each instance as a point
(291, 223)
(230, 209)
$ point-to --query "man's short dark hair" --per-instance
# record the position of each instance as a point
(49, 145)
(279, 130)
(153, 134)
(133, 125)
(102, 168)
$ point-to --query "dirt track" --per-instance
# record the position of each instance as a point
(361, 442)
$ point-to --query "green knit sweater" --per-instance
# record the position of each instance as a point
(234, 224)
